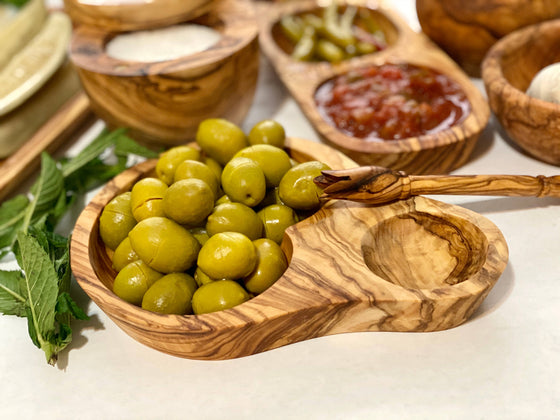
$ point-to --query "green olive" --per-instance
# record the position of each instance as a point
(297, 189)
(243, 181)
(201, 277)
(171, 294)
(223, 199)
(271, 197)
(194, 169)
(164, 245)
(169, 160)
(146, 198)
(116, 220)
(273, 161)
(217, 296)
(200, 234)
(124, 255)
(268, 132)
(228, 255)
(234, 217)
(214, 166)
(271, 265)
(220, 139)
(276, 219)
(188, 201)
(133, 280)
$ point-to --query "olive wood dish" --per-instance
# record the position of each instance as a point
(507, 71)
(436, 153)
(414, 265)
(119, 15)
(467, 29)
(164, 102)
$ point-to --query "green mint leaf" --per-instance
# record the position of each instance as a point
(11, 300)
(17, 3)
(66, 305)
(39, 285)
(125, 146)
(12, 213)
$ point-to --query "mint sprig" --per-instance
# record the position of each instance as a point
(40, 289)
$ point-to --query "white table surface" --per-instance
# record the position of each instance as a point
(504, 363)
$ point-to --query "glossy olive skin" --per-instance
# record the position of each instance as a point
(116, 220)
(297, 189)
(164, 245)
(124, 255)
(200, 234)
(194, 169)
(201, 277)
(268, 132)
(220, 139)
(235, 217)
(273, 161)
(188, 201)
(217, 296)
(146, 198)
(271, 265)
(228, 255)
(244, 181)
(171, 294)
(276, 219)
(134, 280)
(169, 161)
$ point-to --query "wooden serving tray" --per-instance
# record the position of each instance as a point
(415, 265)
(53, 134)
(435, 153)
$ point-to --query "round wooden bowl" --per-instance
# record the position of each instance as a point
(163, 103)
(507, 72)
(415, 265)
(467, 29)
(131, 15)
(435, 153)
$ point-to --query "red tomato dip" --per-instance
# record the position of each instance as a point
(391, 102)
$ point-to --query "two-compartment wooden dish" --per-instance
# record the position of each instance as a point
(507, 71)
(438, 152)
(415, 265)
(163, 102)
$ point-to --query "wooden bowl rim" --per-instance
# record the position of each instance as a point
(478, 283)
(87, 46)
(477, 115)
(493, 74)
(122, 17)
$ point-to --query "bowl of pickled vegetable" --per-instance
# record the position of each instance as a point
(177, 244)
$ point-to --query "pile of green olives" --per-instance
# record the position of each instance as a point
(204, 233)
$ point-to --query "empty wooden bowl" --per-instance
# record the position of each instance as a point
(131, 15)
(467, 29)
(415, 265)
(164, 102)
(507, 71)
(438, 152)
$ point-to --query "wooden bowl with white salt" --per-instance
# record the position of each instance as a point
(163, 82)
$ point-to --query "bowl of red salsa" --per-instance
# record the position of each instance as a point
(391, 102)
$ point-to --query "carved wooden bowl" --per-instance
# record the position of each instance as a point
(164, 102)
(415, 265)
(507, 72)
(436, 153)
(467, 29)
(130, 15)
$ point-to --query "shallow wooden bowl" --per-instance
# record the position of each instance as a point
(435, 153)
(164, 102)
(415, 265)
(507, 72)
(467, 29)
(130, 15)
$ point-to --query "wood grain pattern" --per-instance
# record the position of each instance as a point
(435, 153)
(507, 71)
(131, 16)
(164, 102)
(416, 265)
(59, 128)
(467, 29)
(375, 185)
